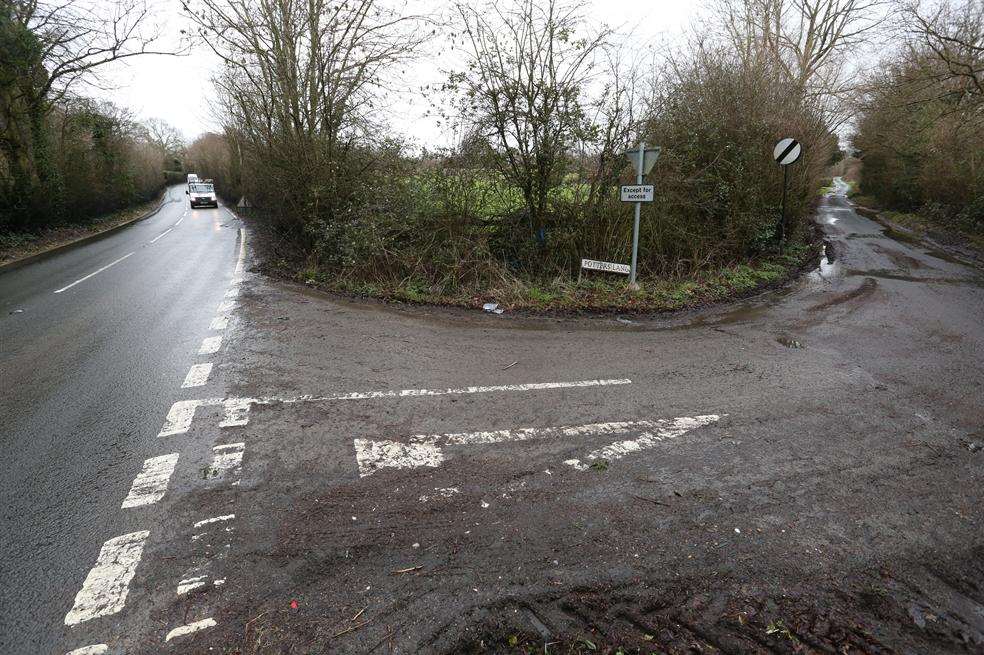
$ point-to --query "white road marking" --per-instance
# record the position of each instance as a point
(105, 588)
(191, 584)
(236, 412)
(425, 449)
(232, 293)
(179, 220)
(210, 345)
(670, 429)
(442, 492)
(164, 233)
(96, 272)
(219, 323)
(151, 483)
(180, 416)
(242, 253)
(190, 628)
(374, 455)
(225, 306)
(215, 519)
(524, 434)
(197, 376)
(228, 458)
(411, 393)
(97, 649)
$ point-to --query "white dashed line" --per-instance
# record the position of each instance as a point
(151, 483)
(97, 649)
(180, 415)
(215, 519)
(219, 323)
(210, 345)
(96, 272)
(179, 220)
(197, 376)
(190, 628)
(105, 588)
(191, 584)
(236, 412)
(164, 233)
(228, 459)
(242, 253)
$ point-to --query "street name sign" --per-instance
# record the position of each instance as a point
(637, 193)
(787, 151)
(608, 267)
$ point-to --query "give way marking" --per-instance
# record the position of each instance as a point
(426, 450)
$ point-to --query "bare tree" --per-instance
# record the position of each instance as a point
(954, 34)
(46, 50)
(75, 38)
(301, 81)
(527, 63)
(166, 138)
(811, 41)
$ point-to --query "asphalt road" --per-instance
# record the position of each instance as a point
(799, 468)
(88, 370)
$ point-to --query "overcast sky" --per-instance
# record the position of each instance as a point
(178, 90)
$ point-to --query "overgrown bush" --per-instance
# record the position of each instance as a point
(920, 131)
(533, 187)
(97, 160)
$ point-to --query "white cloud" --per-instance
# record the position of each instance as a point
(179, 89)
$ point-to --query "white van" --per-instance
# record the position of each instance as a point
(201, 193)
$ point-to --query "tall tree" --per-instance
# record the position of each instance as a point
(300, 84)
(810, 40)
(526, 64)
(47, 49)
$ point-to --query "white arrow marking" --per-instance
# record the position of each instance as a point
(424, 450)
(670, 429)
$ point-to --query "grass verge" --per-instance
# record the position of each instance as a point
(16, 246)
(593, 292)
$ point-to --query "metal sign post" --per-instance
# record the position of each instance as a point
(785, 153)
(643, 160)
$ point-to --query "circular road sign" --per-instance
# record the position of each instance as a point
(787, 151)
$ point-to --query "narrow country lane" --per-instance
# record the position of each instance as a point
(95, 344)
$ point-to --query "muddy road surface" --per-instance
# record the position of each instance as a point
(803, 472)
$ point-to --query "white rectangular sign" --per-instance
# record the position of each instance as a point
(605, 266)
(637, 193)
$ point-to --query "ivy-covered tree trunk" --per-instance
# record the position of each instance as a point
(29, 189)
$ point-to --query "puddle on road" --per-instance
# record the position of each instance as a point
(828, 268)
(903, 261)
(904, 237)
(944, 256)
(895, 274)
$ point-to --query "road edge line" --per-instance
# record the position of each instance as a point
(64, 247)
